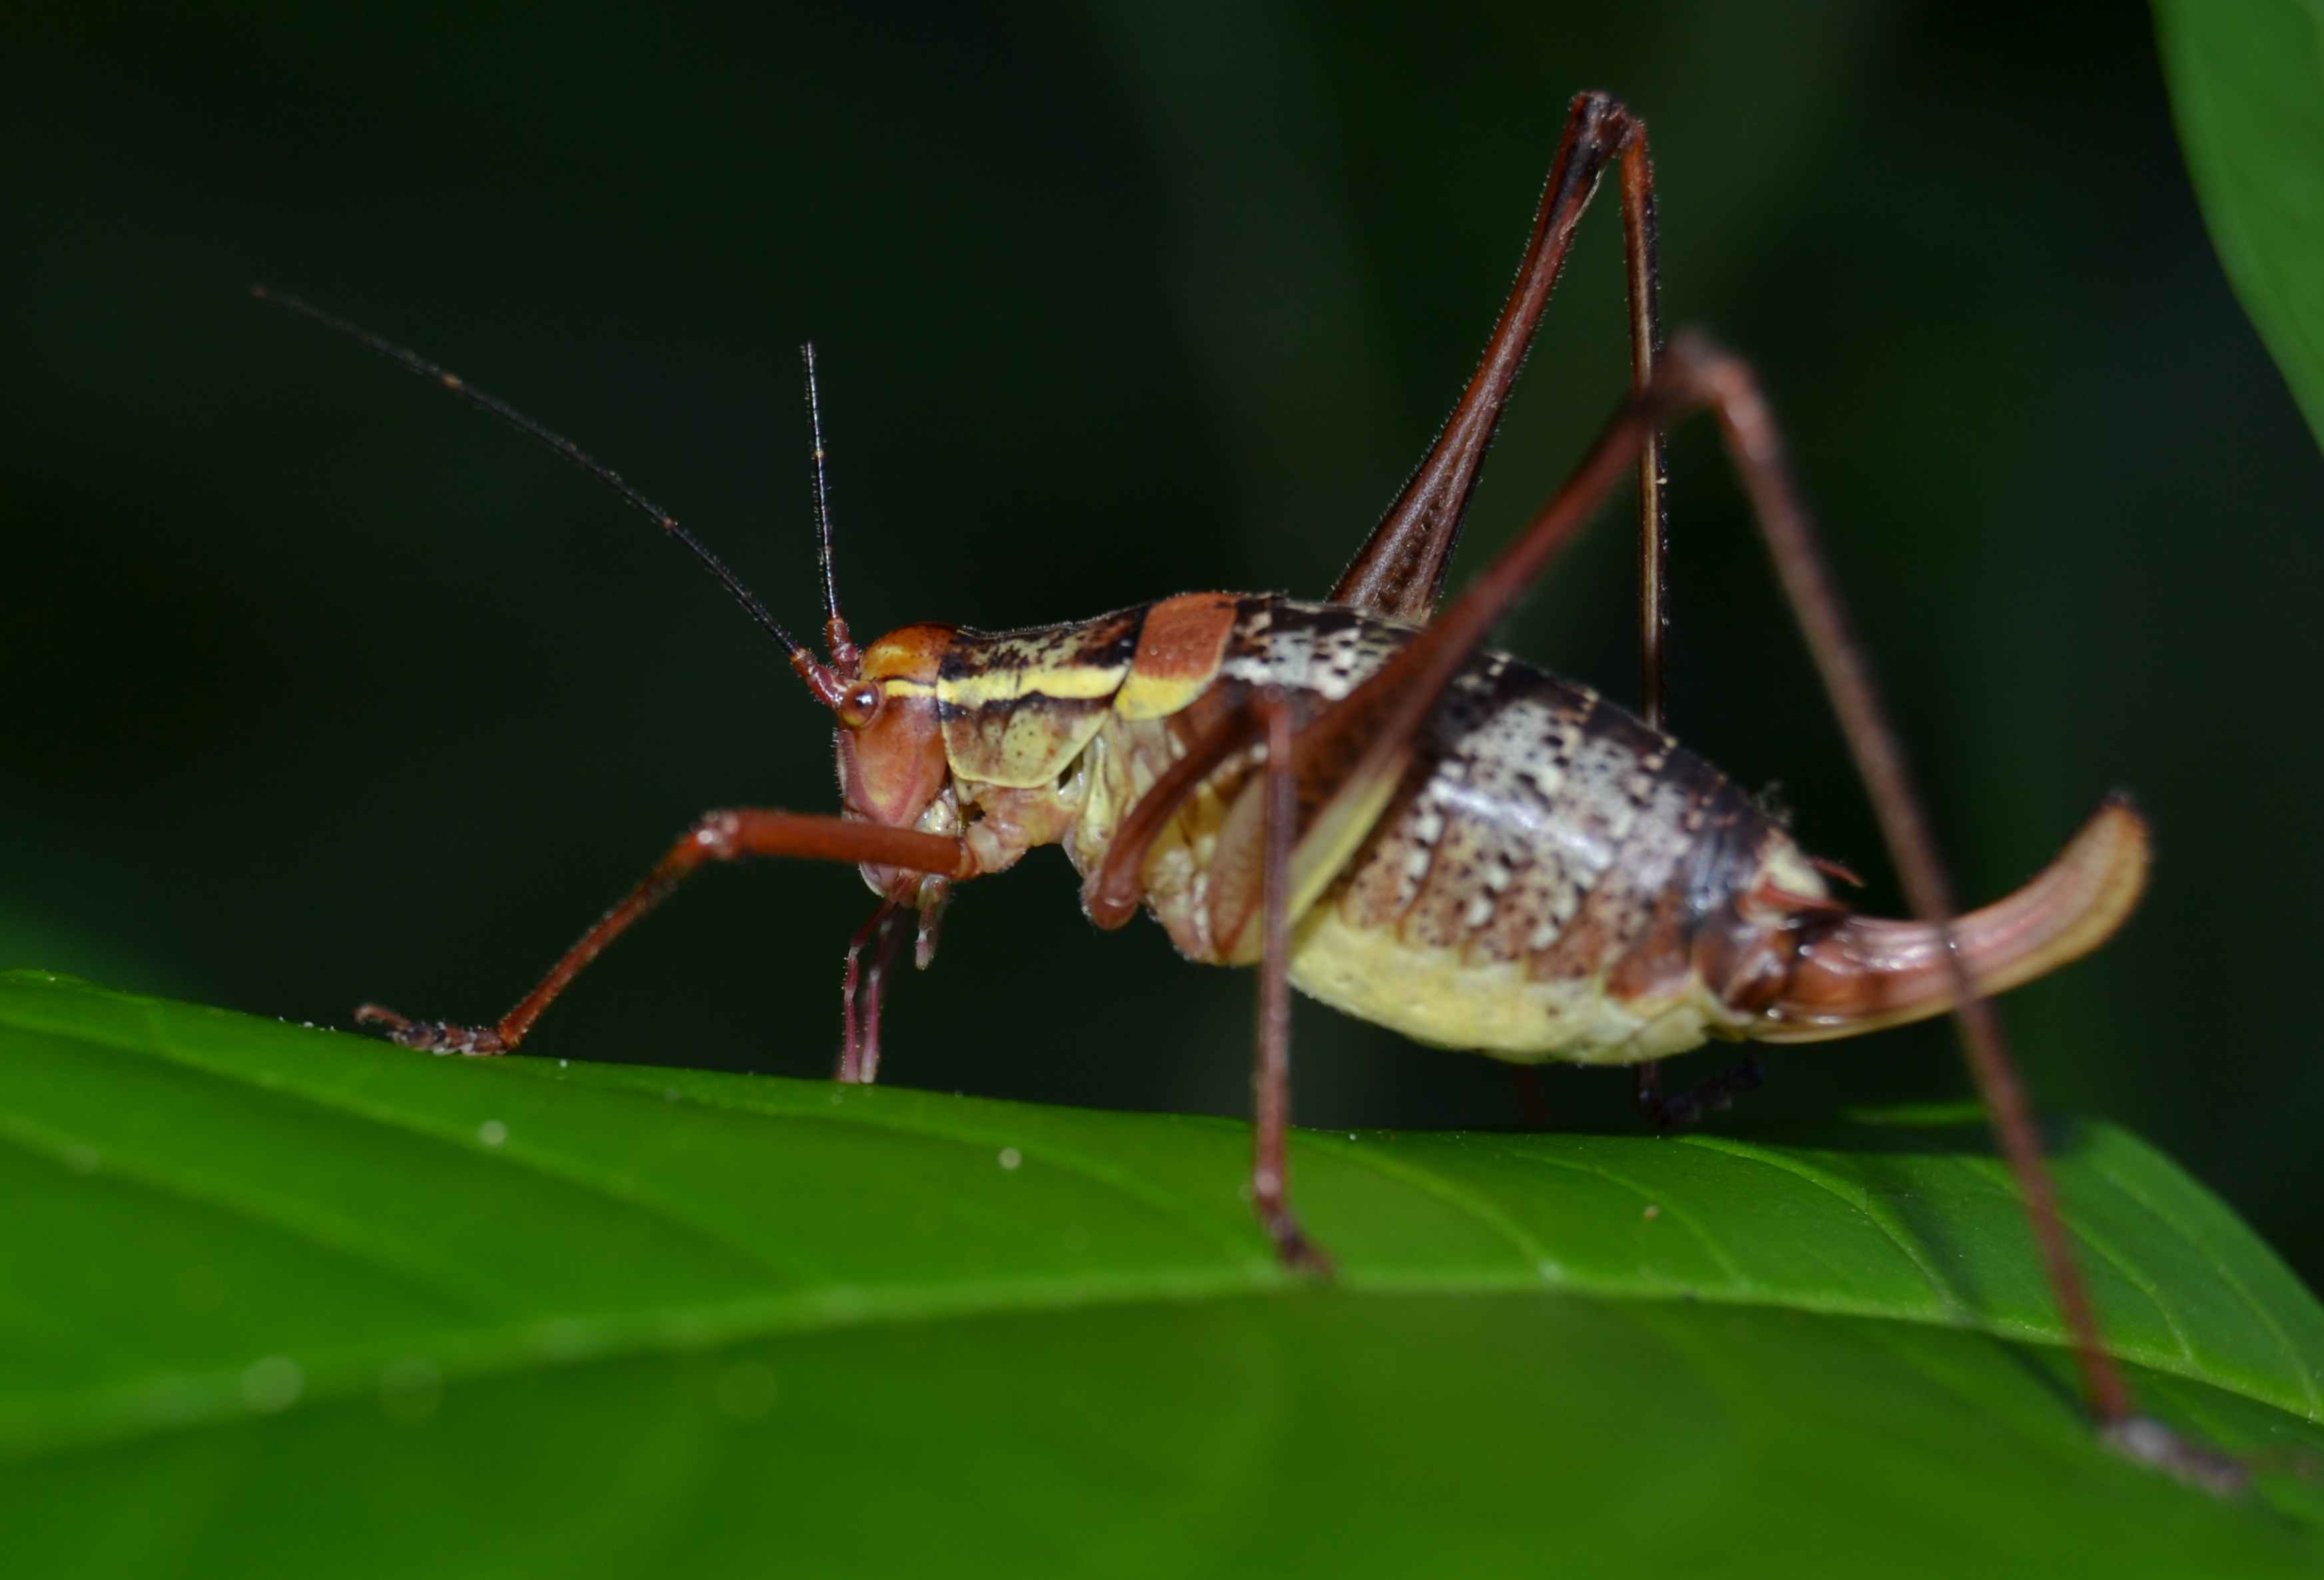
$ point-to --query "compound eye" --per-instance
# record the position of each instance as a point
(861, 703)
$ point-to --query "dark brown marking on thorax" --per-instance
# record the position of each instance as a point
(1106, 643)
(1016, 706)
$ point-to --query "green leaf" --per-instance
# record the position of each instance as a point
(2247, 87)
(280, 1301)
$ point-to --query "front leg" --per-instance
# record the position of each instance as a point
(717, 836)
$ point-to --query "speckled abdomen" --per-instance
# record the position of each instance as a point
(1540, 887)
(1542, 882)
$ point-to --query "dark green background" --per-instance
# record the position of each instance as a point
(320, 687)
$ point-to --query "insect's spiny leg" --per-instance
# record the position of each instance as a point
(1697, 373)
(1374, 725)
(1270, 1080)
(1712, 377)
(715, 837)
(1400, 569)
(1640, 250)
(1639, 246)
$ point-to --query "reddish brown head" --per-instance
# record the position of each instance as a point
(892, 755)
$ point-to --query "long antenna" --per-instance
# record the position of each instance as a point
(415, 362)
(834, 627)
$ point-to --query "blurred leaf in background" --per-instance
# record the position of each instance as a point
(2247, 86)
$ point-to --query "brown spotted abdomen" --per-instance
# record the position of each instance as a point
(1554, 881)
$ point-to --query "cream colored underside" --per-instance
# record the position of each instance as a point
(1429, 994)
(1432, 996)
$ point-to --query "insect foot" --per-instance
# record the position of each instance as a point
(434, 1036)
(2150, 1442)
(1303, 1256)
(1297, 1252)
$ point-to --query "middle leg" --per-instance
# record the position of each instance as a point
(1270, 1075)
(717, 836)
